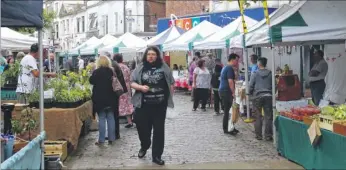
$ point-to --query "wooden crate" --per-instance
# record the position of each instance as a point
(56, 148)
(307, 120)
(339, 127)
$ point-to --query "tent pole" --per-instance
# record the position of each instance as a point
(273, 94)
(248, 118)
(41, 93)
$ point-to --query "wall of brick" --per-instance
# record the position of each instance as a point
(152, 7)
(188, 7)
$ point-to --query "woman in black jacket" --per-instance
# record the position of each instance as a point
(104, 98)
(215, 82)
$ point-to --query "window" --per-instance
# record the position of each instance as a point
(78, 25)
(106, 24)
(83, 24)
(57, 31)
(56, 7)
(129, 21)
(64, 26)
(116, 21)
(67, 26)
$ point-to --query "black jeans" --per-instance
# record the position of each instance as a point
(150, 117)
(217, 102)
(265, 102)
(200, 95)
(317, 90)
(227, 100)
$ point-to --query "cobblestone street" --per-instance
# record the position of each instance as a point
(191, 138)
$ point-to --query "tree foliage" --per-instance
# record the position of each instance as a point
(48, 18)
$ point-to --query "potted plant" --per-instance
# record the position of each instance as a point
(33, 99)
(11, 75)
(22, 127)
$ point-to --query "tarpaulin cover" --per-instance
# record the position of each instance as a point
(26, 13)
(294, 144)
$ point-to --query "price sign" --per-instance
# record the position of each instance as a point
(49, 94)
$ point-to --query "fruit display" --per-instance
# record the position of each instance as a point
(338, 112)
(299, 113)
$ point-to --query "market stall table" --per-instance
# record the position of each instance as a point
(294, 144)
(66, 124)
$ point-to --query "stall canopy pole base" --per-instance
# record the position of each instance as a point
(274, 95)
(41, 93)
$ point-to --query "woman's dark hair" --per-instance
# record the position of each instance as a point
(158, 54)
(175, 66)
(200, 63)
(118, 58)
(262, 61)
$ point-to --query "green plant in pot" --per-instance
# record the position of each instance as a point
(33, 99)
(25, 124)
(11, 75)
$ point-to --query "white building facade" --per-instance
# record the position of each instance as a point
(78, 21)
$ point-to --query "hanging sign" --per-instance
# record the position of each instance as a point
(179, 23)
(195, 21)
(187, 23)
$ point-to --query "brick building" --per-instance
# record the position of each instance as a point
(153, 10)
(189, 7)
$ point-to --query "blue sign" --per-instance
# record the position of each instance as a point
(220, 18)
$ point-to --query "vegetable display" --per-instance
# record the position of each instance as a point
(338, 112)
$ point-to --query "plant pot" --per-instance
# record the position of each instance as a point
(34, 104)
(18, 145)
(60, 105)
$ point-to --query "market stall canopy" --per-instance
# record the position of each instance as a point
(91, 41)
(222, 38)
(170, 34)
(13, 40)
(93, 49)
(127, 43)
(166, 36)
(197, 33)
(21, 13)
(307, 22)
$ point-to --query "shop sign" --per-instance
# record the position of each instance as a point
(188, 23)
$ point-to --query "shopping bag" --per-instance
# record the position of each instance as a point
(314, 133)
(235, 113)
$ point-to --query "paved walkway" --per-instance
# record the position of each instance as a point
(193, 139)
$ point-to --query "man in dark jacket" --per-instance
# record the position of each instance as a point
(215, 82)
(261, 89)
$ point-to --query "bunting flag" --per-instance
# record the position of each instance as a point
(241, 4)
(266, 13)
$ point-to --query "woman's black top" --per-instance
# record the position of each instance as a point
(215, 79)
(102, 93)
(154, 77)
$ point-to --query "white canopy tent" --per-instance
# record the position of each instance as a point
(93, 49)
(91, 41)
(224, 37)
(186, 40)
(166, 36)
(13, 40)
(127, 43)
(307, 22)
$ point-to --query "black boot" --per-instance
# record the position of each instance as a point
(158, 161)
(142, 153)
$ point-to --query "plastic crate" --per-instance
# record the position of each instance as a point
(8, 94)
(56, 148)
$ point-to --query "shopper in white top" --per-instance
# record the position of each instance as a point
(80, 63)
(27, 74)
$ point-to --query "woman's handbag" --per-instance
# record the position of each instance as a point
(117, 87)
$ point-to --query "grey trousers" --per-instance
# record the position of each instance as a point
(317, 90)
(264, 102)
(22, 99)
